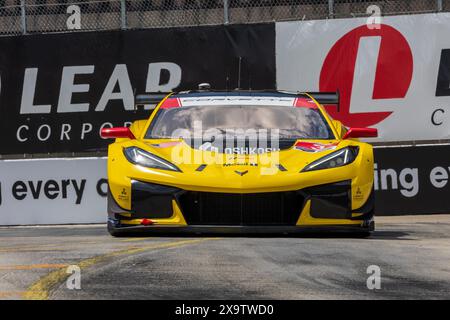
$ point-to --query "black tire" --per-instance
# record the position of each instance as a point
(366, 233)
(115, 232)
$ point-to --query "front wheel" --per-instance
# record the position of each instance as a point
(367, 232)
(115, 232)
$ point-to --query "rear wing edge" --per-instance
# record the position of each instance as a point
(326, 98)
(152, 98)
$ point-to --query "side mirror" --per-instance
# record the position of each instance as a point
(361, 133)
(117, 132)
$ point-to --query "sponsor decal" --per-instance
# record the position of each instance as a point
(241, 173)
(242, 164)
(314, 147)
(358, 194)
(123, 195)
(249, 150)
(171, 103)
(305, 103)
(208, 146)
(245, 100)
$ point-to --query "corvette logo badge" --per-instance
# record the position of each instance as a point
(241, 173)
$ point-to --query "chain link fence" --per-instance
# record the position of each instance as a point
(10, 20)
(355, 8)
(40, 16)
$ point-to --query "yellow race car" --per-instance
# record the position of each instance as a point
(240, 161)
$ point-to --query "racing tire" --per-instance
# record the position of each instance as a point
(113, 231)
(366, 233)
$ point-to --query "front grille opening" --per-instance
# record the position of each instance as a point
(255, 209)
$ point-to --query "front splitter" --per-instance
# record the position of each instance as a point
(220, 229)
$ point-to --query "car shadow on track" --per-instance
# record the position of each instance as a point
(391, 235)
(376, 235)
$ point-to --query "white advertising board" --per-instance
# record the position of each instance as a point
(394, 76)
(53, 191)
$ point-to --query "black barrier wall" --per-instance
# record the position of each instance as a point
(412, 180)
(57, 91)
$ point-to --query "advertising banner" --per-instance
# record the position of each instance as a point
(412, 180)
(58, 90)
(53, 191)
(394, 76)
(408, 181)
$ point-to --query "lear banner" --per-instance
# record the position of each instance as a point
(59, 90)
(394, 76)
(56, 191)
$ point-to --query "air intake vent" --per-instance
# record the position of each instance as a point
(257, 209)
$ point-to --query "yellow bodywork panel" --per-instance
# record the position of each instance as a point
(305, 219)
(137, 127)
(177, 218)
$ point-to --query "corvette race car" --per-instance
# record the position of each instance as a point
(239, 161)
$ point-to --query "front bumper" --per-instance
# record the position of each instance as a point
(319, 208)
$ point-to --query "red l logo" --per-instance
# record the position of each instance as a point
(394, 69)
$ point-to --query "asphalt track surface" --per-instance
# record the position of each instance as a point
(413, 254)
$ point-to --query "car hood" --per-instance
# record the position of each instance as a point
(219, 171)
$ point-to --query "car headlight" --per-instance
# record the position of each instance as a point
(143, 158)
(335, 159)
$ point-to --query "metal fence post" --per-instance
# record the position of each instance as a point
(226, 15)
(331, 8)
(439, 5)
(123, 14)
(23, 17)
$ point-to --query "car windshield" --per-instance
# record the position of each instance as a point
(289, 122)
